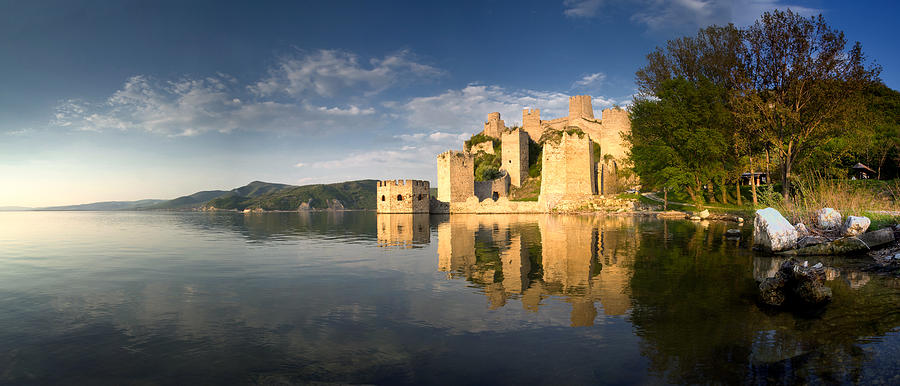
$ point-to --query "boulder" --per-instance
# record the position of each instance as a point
(828, 218)
(772, 232)
(797, 284)
(846, 245)
(855, 226)
(733, 233)
(801, 230)
(808, 241)
(703, 213)
(695, 218)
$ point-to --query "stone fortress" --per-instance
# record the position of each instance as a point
(570, 172)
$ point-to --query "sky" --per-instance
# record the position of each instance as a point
(127, 100)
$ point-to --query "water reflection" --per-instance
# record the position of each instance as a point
(584, 260)
(403, 230)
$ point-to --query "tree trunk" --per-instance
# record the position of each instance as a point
(752, 181)
(724, 192)
(737, 186)
(785, 178)
(709, 192)
(880, 163)
(665, 198)
(768, 174)
(693, 195)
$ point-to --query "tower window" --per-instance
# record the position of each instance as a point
(382, 197)
(399, 197)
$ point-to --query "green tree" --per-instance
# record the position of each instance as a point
(678, 138)
(801, 82)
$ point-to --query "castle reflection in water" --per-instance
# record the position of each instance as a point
(586, 260)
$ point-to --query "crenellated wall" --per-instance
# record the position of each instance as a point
(456, 176)
(531, 123)
(615, 123)
(403, 196)
(580, 107)
(567, 170)
(494, 125)
(514, 155)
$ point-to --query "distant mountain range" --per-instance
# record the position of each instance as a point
(358, 194)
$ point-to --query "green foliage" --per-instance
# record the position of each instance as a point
(679, 140)
(479, 138)
(535, 154)
(352, 195)
(487, 166)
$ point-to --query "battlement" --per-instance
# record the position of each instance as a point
(494, 125)
(383, 183)
(456, 176)
(580, 107)
(531, 123)
(403, 196)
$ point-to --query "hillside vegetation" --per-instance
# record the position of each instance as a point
(350, 195)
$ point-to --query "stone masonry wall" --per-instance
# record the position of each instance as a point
(456, 176)
(494, 125)
(514, 155)
(580, 107)
(615, 123)
(531, 123)
(403, 196)
(486, 189)
(568, 169)
(487, 147)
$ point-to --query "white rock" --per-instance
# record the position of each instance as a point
(818, 265)
(704, 213)
(695, 218)
(740, 219)
(801, 229)
(772, 232)
(855, 226)
(828, 218)
(897, 256)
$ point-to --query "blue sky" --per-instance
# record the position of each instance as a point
(127, 100)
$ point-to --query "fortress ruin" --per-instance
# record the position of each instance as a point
(580, 159)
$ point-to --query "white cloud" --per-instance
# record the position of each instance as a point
(589, 80)
(745, 12)
(581, 8)
(299, 165)
(467, 108)
(352, 110)
(327, 72)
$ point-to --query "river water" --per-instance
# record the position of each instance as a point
(355, 297)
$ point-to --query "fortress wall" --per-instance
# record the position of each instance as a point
(486, 189)
(615, 123)
(494, 126)
(456, 176)
(580, 107)
(568, 169)
(403, 196)
(514, 156)
(487, 147)
(531, 123)
(403, 230)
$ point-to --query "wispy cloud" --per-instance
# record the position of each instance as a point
(328, 72)
(685, 15)
(581, 8)
(467, 108)
(590, 80)
(299, 165)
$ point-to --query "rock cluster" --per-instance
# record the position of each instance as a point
(796, 283)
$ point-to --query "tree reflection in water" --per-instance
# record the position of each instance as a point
(688, 292)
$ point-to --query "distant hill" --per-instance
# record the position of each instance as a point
(107, 205)
(195, 200)
(14, 208)
(257, 194)
(349, 195)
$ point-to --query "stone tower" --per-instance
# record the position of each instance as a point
(567, 169)
(580, 107)
(615, 123)
(403, 196)
(456, 176)
(514, 155)
(494, 125)
(531, 123)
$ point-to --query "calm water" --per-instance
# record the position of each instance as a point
(352, 297)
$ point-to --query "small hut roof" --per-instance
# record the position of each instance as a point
(860, 166)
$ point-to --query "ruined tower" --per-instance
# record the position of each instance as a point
(580, 107)
(615, 123)
(456, 176)
(531, 123)
(567, 170)
(494, 125)
(403, 196)
(514, 155)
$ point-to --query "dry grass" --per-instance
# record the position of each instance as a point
(856, 198)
